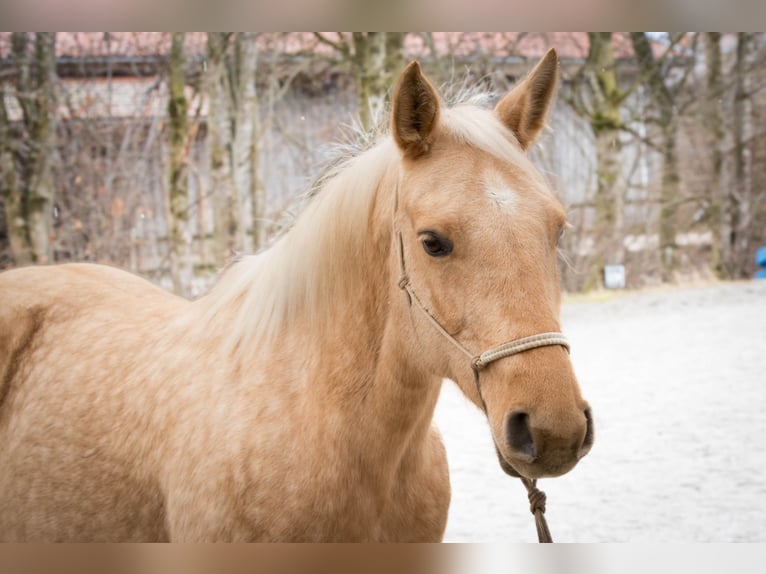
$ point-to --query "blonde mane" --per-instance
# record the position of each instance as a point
(320, 256)
(306, 266)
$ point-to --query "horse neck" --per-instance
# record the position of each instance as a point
(363, 352)
(349, 359)
(365, 369)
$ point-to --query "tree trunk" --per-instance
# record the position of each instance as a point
(737, 203)
(669, 196)
(670, 186)
(179, 240)
(258, 196)
(225, 199)
(232, 139)
(394, 55)
(609, 200)
(377, 57)
(245, 137)
(27, 171)
(42, 131)
(714, 125)
(10, 188)
(606, 124)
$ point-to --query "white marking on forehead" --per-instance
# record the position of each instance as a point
(499, 192)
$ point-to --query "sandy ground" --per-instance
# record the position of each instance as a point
(677, 382)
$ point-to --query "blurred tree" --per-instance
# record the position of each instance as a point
(663, 89)
(246, 133)
(115, 173)
(713, 122)
(232, 134)
(599, 96)
(737, 201)
(604, 117)
(602, 96)
(179, 247)
(27, 149)
(376, 59)
(732, 104)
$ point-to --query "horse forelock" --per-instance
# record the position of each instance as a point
(481, 129)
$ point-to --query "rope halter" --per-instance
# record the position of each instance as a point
(480, 362)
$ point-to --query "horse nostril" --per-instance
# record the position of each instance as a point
(519, 436)
(587, 442)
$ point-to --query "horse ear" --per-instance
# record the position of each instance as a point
(415, 111)
(525, 108)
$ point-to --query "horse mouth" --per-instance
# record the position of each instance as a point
(534, 472)
(506, 466)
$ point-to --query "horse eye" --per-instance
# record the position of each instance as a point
(561, 234)
(436, 246)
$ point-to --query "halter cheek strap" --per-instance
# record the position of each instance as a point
(481, 361)
(478, 363)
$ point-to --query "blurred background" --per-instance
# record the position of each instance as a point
(166, 153)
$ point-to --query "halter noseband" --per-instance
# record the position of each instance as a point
(480, 362)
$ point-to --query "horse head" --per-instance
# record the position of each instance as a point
(476, 231)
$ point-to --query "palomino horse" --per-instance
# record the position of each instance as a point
(294, 401)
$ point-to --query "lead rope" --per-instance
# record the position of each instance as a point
(536, 496)
(479, 363)
(537, 508)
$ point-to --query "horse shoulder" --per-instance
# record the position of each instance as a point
(83, 336)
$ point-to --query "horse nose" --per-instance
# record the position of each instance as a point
(587, 441)
(519, 436)
(521, 441)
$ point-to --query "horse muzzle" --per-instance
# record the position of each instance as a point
(534, 452)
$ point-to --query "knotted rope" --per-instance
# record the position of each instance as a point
(537, 508)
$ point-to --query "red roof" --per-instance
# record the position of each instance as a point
(570, 45)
